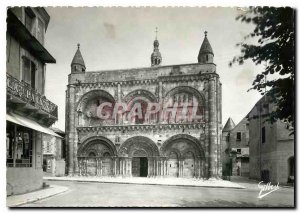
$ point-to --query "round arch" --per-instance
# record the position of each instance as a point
(186, 89)
(140, 93)
(136, 143)
(88, 144)
(93, 94)
(199, 151)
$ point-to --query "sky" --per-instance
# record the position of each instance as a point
(115, 38)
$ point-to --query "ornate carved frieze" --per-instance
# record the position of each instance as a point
(142, 127)
(168, 78)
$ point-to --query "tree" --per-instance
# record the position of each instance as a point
(275, 32)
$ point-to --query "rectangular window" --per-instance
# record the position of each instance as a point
(26, 70)
(238, 151)
(29, 69)
(238, 136)
(263, 134)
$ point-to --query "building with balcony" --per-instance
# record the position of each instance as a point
(235, 148)
(160, 143)
(29, 112)
(271, 145)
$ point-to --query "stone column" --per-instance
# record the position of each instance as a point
(70, 126)
(115, 166)
(212, 127)
(157, 167)
(166, 167)
(130, 167)
(86, 167)
(163, 167)
(160, 100)
(148, 174)
(152, 167)
(80, 167)
(124, 167)
(120, 167)
(179, 167)
(97, 169)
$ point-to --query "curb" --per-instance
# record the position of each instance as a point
(162, 184)
(30, 200)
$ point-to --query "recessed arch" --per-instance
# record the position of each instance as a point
(93, 94)
(185, 89)
(89, 145)
(142, 93)
(133, 144)
(195, 147)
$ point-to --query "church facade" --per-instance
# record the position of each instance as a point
(160, 143)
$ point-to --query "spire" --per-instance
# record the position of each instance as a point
(156, 56)
(206, 54)
(78, 64)
(229, 125)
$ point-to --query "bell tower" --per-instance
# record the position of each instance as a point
(156, 56)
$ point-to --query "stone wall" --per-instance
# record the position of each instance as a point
(157, 84)
(273, 154)
(22, 180)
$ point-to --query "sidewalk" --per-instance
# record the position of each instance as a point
(214, 183)
(17, 200)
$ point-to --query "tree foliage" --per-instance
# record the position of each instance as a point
(275, 32)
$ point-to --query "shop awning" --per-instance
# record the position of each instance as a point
(20, 120)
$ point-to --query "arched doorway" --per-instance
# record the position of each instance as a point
(141, 150)
(139, 164)
(184, 156)
(95, 156)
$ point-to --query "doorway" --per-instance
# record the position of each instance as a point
(139, 167)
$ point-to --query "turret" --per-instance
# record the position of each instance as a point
(77, 64)
(206, 54)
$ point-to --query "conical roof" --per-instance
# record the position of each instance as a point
(78, 59)
(229, 125)
(206, 47)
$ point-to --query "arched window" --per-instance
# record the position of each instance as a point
(206, 57)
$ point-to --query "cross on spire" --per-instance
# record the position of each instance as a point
(205, 33)
(78, 45)
(156, 30)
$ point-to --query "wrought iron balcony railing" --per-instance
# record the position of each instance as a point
(24, 92)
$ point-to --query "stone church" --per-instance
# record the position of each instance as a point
(147, 145)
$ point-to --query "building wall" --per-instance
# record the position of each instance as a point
(22, 179)
(52, 154)
(240, 162)
(15, 52)
(157, 82)
(272, 155)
